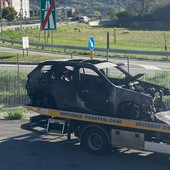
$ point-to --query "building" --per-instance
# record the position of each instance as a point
(4, 4)
(64, 12)
(21, 7)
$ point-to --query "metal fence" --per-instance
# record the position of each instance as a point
(71, 47)
(12, 86)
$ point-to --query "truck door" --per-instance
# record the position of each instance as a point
(93, 92)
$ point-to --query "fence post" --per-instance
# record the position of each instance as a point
(165, 41)
(108, 43)
(17, 68)
(127, 57)
(114, 35)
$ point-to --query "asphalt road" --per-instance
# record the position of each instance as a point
(24, 150)
(165, 65)
(136, 66)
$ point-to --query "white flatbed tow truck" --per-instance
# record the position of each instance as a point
(98, 134)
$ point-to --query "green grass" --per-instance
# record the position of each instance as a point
(12, 57)
(78, 35)
(16, 113)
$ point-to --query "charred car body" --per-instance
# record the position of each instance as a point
(94, 86)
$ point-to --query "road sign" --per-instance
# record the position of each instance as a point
(25, 42)
(48, 14)
(91, 43)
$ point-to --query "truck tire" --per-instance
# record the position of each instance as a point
(95, 141)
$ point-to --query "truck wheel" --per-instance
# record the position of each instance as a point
(95, 141)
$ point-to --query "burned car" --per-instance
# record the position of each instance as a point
(94, 87)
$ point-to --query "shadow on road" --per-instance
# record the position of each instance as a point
(27, 150)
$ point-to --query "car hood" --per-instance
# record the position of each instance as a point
(158, 88)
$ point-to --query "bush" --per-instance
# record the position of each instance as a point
(15, 114)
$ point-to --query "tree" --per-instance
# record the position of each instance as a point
(112, 15)
(63, 15)
(162, 13)
(75, 13)
(9, 13)
(143, 7)
(124, 16)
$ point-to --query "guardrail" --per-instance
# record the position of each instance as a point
(70, 47)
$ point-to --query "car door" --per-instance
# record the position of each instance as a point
(62, 87)
(93, 92)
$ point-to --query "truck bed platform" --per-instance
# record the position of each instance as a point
(128, 123)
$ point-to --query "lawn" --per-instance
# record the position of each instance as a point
(78, 35)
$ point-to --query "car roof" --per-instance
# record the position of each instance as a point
(93, 63)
